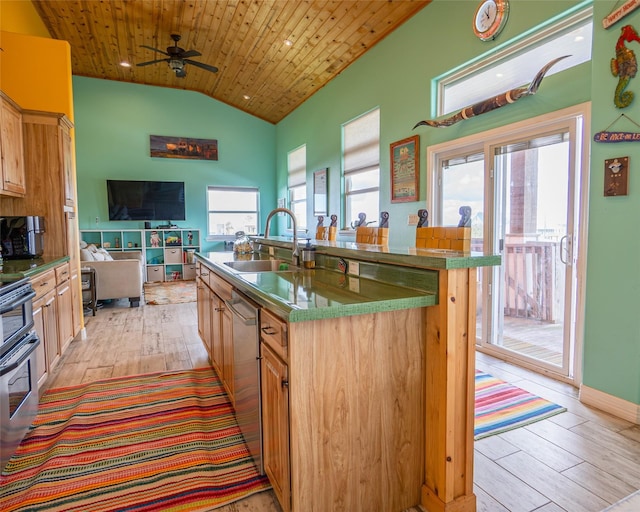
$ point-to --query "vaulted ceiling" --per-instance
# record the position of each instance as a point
(271, 55)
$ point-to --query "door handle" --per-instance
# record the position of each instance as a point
(564, 249)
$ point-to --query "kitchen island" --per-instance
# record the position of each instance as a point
(373, 374)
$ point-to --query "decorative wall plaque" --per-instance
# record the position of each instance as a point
(616, 176)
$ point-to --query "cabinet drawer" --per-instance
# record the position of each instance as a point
(155, 273)
(274, 332)
(43, 283)
(63, 272)
(204, 273)
(220, 286)
(173, 255)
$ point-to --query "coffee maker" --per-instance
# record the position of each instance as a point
(22, 237)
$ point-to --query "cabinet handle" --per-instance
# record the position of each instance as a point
(269, 330)
(284, 383)
(204, 273)
(218, 309)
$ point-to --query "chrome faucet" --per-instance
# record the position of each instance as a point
(295, 253)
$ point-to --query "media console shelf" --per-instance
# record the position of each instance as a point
(169, 254)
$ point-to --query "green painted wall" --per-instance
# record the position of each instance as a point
(114, 121)
(612, 330)
(396, 77)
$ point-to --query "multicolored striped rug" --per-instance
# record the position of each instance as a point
(164, 441)
(501, 406)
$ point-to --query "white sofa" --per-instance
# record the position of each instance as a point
(120, 277)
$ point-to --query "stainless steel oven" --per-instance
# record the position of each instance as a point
(16, 312)
(18, 394)
(18, 366)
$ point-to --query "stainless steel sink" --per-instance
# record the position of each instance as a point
(258, 265)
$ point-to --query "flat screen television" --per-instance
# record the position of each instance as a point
(146, 200)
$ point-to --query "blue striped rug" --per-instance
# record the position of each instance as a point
(501, 406)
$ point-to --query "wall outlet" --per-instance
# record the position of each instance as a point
(272, 251)
(413, 219)
(354, 285)
(354, 268)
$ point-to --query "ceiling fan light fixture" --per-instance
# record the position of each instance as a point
(176, 65)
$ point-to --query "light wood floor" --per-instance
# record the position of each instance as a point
(582, 460)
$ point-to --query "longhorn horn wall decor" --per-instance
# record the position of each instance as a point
(498, 101)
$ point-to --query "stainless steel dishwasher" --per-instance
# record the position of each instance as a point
(246, 376)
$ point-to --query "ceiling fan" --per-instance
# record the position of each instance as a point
(178, 57)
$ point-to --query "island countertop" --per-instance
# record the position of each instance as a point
(437, 259)
(12, 270)
(299, 295)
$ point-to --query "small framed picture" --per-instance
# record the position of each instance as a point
(616, 176)
(405, 172)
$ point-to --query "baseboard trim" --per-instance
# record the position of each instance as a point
(611, 404)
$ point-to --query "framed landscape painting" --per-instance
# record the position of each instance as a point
(405, 173)
(182, 147)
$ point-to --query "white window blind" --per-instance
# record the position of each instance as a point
(361, 167)
(362, 143)
(297, 166)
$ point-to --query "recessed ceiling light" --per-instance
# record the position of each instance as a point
(579, 38)
(246, 97)
(499, 75)
(288, 42)
(125, 64)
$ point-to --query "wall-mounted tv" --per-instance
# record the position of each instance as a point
(146, 200)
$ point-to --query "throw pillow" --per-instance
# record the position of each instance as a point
(92, 248)
(83, 244)
(86, 255)
(106, 254)
(98, 256)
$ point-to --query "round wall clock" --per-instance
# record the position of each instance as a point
(490, 18)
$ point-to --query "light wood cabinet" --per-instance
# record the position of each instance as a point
(41, 353)
(64, 314)
(52, 316)
(68, 172)
(226, 333)
(217, 352)
(11, 149)
(215, 324)
(275, 424)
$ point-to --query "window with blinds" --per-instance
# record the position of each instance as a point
(361, 167)
(232, 209)
(297, 184)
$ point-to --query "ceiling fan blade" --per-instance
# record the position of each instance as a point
(190, 53)
(154, 49)
(213, 69)
(152, 62)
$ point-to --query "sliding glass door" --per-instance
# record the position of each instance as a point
(525, 192)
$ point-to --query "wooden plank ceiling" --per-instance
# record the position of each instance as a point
(246, 39)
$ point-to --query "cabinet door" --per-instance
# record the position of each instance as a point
(13, 175)
(217, 352)
(227, 352)
(50, 321)
(275, 424)
(65, 315)
(41, 353)
(76, 302)
(68, 173)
